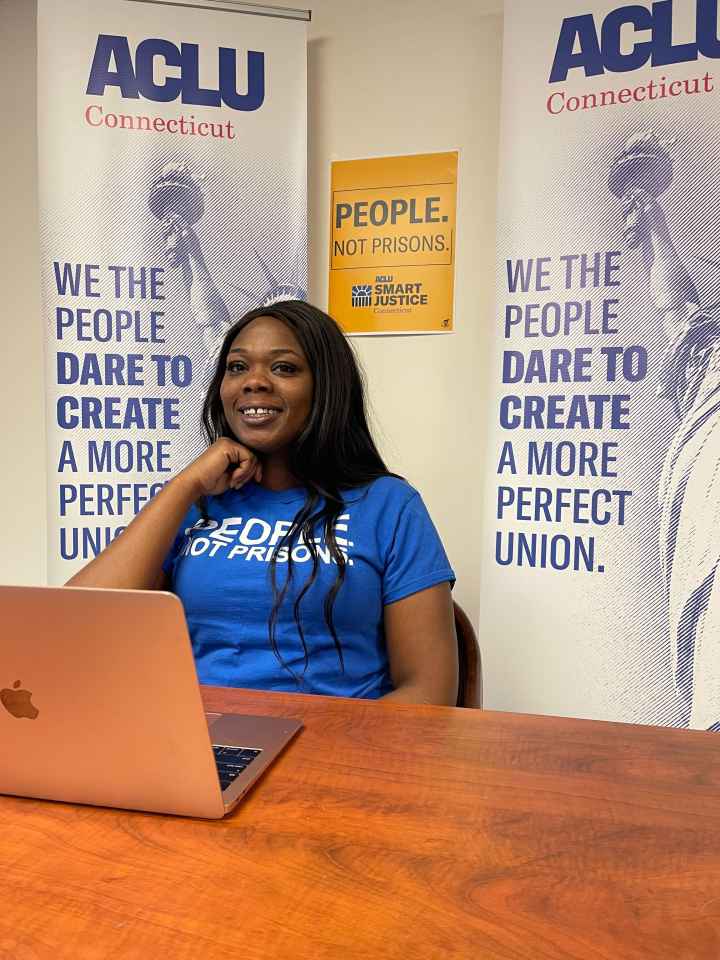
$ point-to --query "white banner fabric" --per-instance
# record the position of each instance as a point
(172, 181)
(602, 509)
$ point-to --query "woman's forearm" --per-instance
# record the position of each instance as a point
(134, 559)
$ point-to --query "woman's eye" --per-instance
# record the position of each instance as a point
(284, 368)
(235, 366)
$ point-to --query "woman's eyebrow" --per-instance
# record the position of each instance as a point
(272, 353)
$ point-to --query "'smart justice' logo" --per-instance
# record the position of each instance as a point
(385, 292)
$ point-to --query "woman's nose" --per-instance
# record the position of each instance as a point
(256, 380)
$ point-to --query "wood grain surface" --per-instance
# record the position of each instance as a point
(391, 831)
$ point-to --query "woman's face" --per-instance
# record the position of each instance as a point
(267, 389)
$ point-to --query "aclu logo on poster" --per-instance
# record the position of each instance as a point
(385, 292)
(622, 43)
(161, 71)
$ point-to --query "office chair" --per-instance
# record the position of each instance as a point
(469, 662)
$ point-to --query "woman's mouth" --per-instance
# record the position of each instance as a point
(258, 415)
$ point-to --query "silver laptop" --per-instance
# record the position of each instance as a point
(100, 703)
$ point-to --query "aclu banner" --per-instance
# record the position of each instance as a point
(172, 172)
(600, 594)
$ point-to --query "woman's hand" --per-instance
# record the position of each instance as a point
(226, 464)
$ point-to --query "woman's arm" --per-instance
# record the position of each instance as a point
(133, 561)
(422, 647)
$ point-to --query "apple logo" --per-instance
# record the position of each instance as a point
(18, 702)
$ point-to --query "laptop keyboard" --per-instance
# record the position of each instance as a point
(231, 761)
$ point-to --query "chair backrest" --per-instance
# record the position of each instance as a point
(469, 661)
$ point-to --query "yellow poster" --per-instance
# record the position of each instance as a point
(392, 243)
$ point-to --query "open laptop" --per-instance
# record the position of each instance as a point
(100, 704)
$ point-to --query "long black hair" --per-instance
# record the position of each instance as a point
(334, 452)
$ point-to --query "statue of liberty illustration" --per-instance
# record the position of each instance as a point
(689, 494)
(177, 200)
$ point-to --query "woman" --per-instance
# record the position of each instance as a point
(302, 563)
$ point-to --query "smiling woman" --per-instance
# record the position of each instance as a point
(301, 561)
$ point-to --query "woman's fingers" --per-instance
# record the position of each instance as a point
(246, 466)
(240, 477)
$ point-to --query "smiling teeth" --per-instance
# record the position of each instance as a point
(257, 411)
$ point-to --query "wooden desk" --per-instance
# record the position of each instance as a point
(392, 832)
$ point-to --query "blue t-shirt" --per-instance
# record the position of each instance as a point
(221, 573)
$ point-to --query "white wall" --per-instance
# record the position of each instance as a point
(385, 77)
(22, 411)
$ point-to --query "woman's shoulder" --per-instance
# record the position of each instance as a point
(384, 492)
